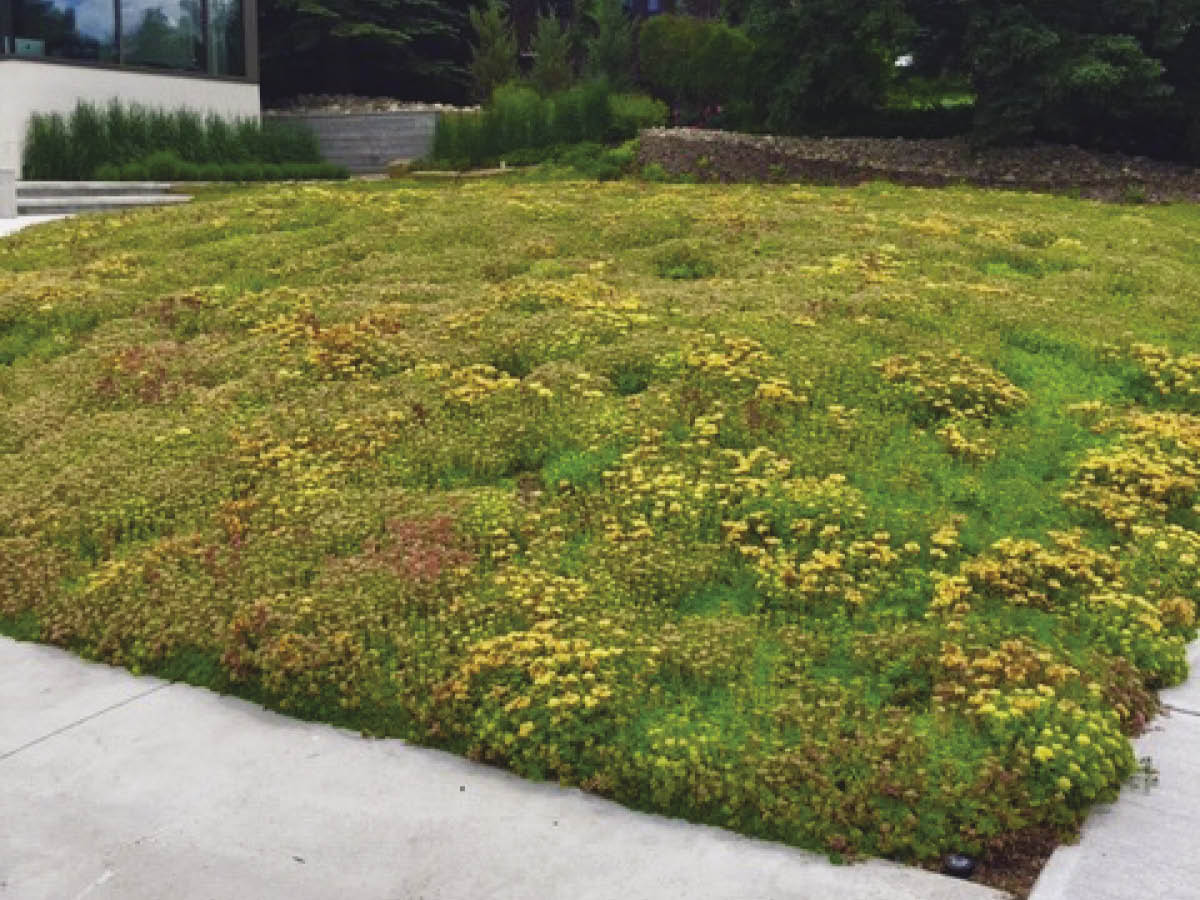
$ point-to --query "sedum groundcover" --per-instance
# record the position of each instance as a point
(861, 519)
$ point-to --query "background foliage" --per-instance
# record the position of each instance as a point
(1118, 76)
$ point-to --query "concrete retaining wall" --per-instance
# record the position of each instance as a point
(367, 142)
(8, 194)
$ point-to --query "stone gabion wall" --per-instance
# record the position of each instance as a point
(731, 157)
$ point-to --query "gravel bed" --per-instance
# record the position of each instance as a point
(352, 105)
(729, 156)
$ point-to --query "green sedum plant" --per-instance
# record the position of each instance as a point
(850, 543)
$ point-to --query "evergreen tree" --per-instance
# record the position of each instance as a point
(821, 63)
(416, 49)
(494, 58)
(610, 49)
(551, 48)
(1064, 70)
(1066, 74)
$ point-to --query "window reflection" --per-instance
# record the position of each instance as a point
(191, 35)
(226, 40)
(71, 29)
(164, 33)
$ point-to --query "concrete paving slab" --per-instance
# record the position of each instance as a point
(186, 794)
(1145, 845)
(52, 697)
(13, 225)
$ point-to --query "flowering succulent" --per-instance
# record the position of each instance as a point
(454, 464)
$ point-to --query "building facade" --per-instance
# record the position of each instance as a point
(199, 54)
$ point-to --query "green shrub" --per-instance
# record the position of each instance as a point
(455, 138)
(189, 129)
(595, 110)
(567, 122)
(520, 126)
(47, 148)
(127, 132)
(278, 142)
(221, 144)
(163, 165)
(632, 112)
(596, 161)
(208, 172)
(134, 172)
(161, 132)
(330, 170)
(530, 156)
(516, 118)
(521, 116)
(107, 172)
(88, 140)
(717, 73)
(624, 156)
(693, 63)
(665, 47)
(248, 171)
(655, 172)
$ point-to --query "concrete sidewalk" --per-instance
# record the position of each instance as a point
(1146, 846)
(12, 226)
(129, 787)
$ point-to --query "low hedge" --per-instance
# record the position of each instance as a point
(166, 166)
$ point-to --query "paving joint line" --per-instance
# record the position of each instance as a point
(1182, 709)
(45, 737)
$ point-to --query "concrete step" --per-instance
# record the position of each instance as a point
(32, 189)
(94, 203)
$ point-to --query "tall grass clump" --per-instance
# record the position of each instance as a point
(519, 119)
(77, 145)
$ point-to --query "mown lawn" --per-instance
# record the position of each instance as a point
(865, 520)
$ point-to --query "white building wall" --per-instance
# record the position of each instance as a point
(27, 87)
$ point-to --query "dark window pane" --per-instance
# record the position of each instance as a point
(161, 33)
(71, 29)
(5, 26)
(226, 40)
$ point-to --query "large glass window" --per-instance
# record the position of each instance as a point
(226, 38)
(190, 35)
(71, 29)
(166, 33)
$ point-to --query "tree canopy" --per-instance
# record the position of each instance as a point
(1119, 74)
(417, 49)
